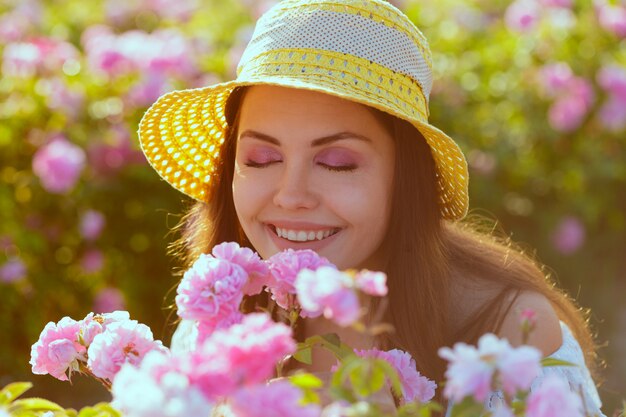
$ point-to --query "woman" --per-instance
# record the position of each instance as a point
(323, 142)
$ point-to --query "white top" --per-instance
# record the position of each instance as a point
(578, 376)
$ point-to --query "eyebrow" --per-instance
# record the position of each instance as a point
(325, 140)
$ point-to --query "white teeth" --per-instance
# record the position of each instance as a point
(303, 235)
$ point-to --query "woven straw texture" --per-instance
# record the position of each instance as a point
(365, 51)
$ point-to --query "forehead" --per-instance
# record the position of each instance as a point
(270, 107)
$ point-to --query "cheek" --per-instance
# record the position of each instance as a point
(248, 193)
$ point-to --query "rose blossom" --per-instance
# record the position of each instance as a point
(471, 370)
(94, 324)
(211, 289)
(415, 387)
(157, 388)
(58, 349)
(522, 15)
(58, 165)
(249, 260)
(372, 283)
(243, 354)
(121, 342)
(284, 267)
(328, 291)
(553, 398)
(277, 399)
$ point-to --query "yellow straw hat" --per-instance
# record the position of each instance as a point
(366, 51)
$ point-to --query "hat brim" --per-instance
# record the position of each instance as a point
(183, 132)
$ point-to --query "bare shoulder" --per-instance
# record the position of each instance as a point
(546, 336)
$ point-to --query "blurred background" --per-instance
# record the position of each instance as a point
(533, 90)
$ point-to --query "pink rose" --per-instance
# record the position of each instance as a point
(211, 289)
(372, 283)
(58, 349)
(284, 267)
(278, 399)
(553, 398)
(518, 368)
(157, 388)
(120, 342)
(58, 165)
(415, 387)
(330, 292)
(94, 324)
(250, 261)
(241, 355)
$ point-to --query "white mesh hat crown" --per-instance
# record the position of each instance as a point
(366, 51)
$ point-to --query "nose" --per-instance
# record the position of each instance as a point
(294, 190)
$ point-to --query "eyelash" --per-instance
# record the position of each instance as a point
(346, 168)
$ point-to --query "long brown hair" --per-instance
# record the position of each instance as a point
(424, 255)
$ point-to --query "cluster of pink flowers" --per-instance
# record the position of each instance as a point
(525, 15)
(58, 164)
(573, 96)
(234, 362)
(415, 386)
(333, 293)
(36, 56)
(277, 399)
(612, 79)
(98, 344)
(494, 364)
(612, 16)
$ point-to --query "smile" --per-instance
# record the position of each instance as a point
(304, 235)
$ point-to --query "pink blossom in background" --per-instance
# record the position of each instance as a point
(612, 79)
(612, 16)
(94, 324)
(157, 388)
(249, 260)
(330, 292)
(568, 111)
(121, 342)
(108, 300)
(241, 355)
(569, 235)
(556, 78)
(554, 398)
(211, 289)
(257, 7)
(153, 85)
(522, 15)
(502, 410)
(565, 4)
(371, 282)
(114, 152)
(119, 10)
(91, 224)
(277, 399)
(92, 261)
(38, 55)
(63, 99)
(58, 350)
(481, 162)
(165, 51)
(15, 24)
(415, 386)
(284, 267)
(612, 114)
(58, 165)
(12, 270)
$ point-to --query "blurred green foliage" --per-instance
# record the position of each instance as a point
(561, 191)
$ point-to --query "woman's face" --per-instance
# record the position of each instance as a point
(313, 171)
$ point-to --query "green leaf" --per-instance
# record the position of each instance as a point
(303, 355)
(555, 362)
(467, 408)
(99, 410)
(306, 381)
(12, 391)
(34, 404)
